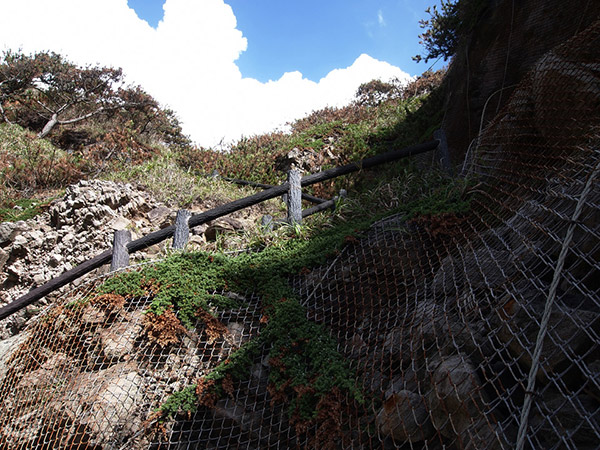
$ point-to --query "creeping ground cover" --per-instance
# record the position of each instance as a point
(306, 371)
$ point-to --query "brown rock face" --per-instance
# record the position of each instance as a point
(508, 41)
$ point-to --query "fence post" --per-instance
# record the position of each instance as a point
(120, 254)
(182, 230)
(442, 149)
(294, 198)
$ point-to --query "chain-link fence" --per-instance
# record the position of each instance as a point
(477, 330)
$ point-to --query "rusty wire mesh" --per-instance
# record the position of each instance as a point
(475, 331)
(85, 375)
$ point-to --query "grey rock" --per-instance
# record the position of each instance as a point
(55, 260)
(119, 339)
(222, 225)
(408, 380)
(488, 269)
(455, 397)
(259, 377)
(120, 223)
(158, 215)
(21, 431)
(449, 277)
(39, 279)
(568, 333)
(36, 238)
(3, 258)
(20, 241)
(113, 396)
(46, 374)
(197, 240)
(236, 333)
(199, 230)
(8, 346)
(594, 368)
(553, 413)
(68, 238)
(405, 417)
(16, 270)
(6, 230)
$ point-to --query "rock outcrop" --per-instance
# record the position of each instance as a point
(75, 228)
(79, 226)
(91, 374)
(506, 43)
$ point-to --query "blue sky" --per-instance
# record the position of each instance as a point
(317, 36)
(229, 68)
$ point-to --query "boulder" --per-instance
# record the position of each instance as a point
(35, 238)
(449, 277)
(3, 258)
(221, 225)
(488, 269)
(199, 230)
(6, 229)
(159, 215)
(119, 339)
(237, 334)
(9, 230)
(197, 240)
(423, 322)
(22, 431)
(453, 381)
(553, 415)
(594, 386)
(46, 376)
(405, 417)
(568, 333)
(457, 403)
(8, 346)
(106, 402)
(55, 260)
(120, 223)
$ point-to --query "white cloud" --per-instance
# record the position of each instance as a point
(380, 18)
(187, 62)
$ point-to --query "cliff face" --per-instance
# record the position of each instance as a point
(509, 39)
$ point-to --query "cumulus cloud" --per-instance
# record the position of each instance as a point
(188, 62)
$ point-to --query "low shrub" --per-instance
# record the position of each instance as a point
(29, 164)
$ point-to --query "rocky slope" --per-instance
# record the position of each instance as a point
(77, 227)
(506, 43)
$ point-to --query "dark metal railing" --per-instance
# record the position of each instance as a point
(123, 246)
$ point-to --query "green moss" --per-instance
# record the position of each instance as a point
(447, 198)
(179, 402)
(127, 284)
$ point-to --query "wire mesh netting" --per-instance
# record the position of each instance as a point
(86, 375)
(477, 330)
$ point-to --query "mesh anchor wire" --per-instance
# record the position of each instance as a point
(548, 309)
